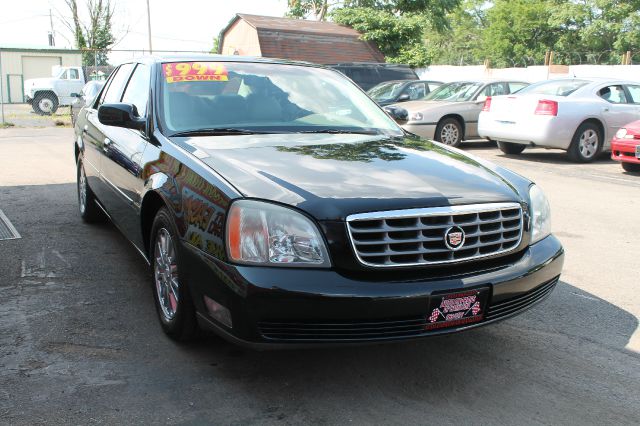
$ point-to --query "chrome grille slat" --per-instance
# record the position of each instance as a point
(416, 237)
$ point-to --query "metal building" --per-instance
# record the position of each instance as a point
(18, 64)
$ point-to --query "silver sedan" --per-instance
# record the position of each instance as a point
(580, 116)
(449, 114)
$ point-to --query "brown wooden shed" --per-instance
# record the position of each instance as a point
(295, 39)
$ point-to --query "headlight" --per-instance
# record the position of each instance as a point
(621, 133)
(260, 233)
(540, 214)
(416, 116)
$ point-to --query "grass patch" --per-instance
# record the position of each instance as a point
(6, 125)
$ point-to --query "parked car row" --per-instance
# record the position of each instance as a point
(581, 116)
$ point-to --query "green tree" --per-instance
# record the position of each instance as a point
(96, 33)
(596, 31)
(518, 32)
(462, 42)
(397, 27)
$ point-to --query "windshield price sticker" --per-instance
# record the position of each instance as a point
(194, 71)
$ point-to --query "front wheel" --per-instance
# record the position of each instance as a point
(631, 167)
(171, 292)
(510, 148)
(45, 103)
(586, 143)
(449, 132)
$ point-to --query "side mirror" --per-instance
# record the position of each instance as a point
(403, 98)
(121, 115)
(400, 115)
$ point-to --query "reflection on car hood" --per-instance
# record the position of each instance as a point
(332, 176)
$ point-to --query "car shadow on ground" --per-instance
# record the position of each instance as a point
(539, 155)
(83, 331)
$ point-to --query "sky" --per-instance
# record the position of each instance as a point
(175, 25)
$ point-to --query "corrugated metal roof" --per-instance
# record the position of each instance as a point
(298, 25)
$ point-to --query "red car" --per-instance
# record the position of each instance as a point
(625, 147)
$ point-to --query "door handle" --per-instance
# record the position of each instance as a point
(107, 142)
(605, 109)
(85, 129)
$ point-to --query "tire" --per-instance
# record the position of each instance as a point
(631, 167)
(87, 207)
(45, 103)
(586, 143)
(170, 284)
(510, 148)
(449, 132)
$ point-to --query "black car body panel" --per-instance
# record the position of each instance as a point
(326, 177)
(332, 176)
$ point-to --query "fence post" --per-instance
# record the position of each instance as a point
(1, 89)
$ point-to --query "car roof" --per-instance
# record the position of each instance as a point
(149, 59)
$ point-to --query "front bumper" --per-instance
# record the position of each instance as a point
(625, 150)
(426, 130)
(281, 307)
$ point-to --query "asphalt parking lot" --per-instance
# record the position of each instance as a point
(80, 342)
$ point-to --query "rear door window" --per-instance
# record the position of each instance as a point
(416, 91)
(613, 94)
(514, 87)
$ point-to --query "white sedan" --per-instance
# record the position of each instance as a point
(579, 115)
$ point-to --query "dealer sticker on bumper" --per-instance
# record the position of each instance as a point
(456, 309)
(637, 151)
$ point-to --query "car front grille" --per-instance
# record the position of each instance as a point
(417, 237)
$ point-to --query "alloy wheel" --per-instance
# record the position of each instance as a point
(588, 144)
(449, 134)
(82, 190)
(166, 274)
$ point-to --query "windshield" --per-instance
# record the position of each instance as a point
(457, 91)
(554, 87)
(386, 91)
(259, 97)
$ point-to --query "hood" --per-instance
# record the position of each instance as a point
(38, 82)
(332, 176)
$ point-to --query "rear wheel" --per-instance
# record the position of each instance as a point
(170, 288)
(89, 210)
(449, 132)
(511, 148)
(631, 167)
(45, 103)
(586, 143)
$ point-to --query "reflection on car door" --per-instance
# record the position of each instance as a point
(617, 111)
(94, 145)
(121, 165)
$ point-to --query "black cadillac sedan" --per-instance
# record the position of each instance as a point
(279, 206)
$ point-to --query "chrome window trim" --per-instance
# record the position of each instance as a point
(436, 211)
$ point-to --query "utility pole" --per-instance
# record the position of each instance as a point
(52, 38)
(149, 26)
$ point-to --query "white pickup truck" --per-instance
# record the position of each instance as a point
(47, 94)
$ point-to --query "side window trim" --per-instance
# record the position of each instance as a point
(627, 92)
(102, 93)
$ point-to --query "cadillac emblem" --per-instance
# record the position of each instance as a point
(454, 238)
